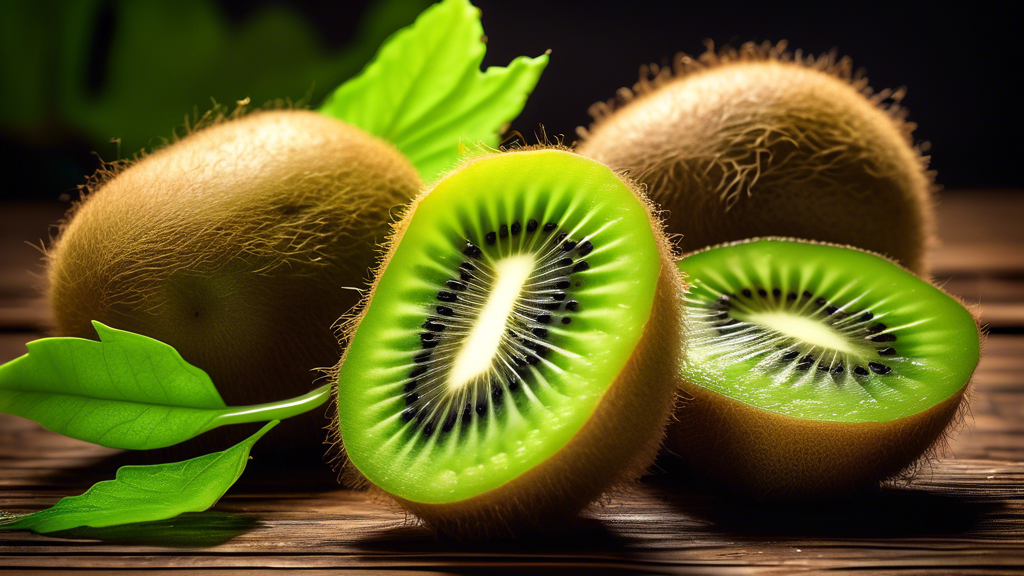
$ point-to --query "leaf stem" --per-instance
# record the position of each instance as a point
(272, 410)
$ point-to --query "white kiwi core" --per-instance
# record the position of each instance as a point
(804, 330)
(477, 354)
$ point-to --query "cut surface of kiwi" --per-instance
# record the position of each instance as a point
(822, 367)
(778, 325)
(519, 312)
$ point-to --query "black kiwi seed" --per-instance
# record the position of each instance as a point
(572, 305)
(581, 266)
(503, 231)
(776, 292)
(449, 423)
(791, 296)
(408, 414)
(531, 225)
(563, 284)
(418, 371)
(544, 318)
(746, 292)
(490, 237)
(564, 262)
(560, 296)
(860, 371)
(838, 369)
(887, 351)
(879, 368)
(876, 328)
(455, 285)
(541, 332)
(422, 357)
(568, 245)
(516, 227)
(411, 399)
(790, 355)
(566, 319)
(433, 325)
(820, 301)
(561, 236)
(445, 311)
(805, 363)
(446, 296)
(471, 250)
(830, 310)
(890, 337)
(550, 226)
(762, 292)
(585, 248)
(481, 408)
(409, 386)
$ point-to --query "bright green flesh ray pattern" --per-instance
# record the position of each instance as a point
(882, 345)
(423, 433)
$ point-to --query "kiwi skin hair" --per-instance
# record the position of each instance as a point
(234, 245)
(757, 453)
(619, 441)
(758, 141)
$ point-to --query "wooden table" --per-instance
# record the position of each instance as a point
(962, 513)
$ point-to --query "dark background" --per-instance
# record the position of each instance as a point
(959, 65)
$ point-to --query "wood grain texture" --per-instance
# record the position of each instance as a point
(963, 512)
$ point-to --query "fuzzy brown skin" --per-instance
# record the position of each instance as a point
(762, 142)
(233, 245)
(616, 445)
(767, 455)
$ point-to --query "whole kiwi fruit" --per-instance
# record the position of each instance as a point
(235, 245)
(759, 141)
(815, 370)
(519, 352)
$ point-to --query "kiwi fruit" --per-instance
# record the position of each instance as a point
(759, 141)
(519, 352)
(815, 370)
(234, 245)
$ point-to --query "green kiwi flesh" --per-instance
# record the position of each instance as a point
(232, 245)
(828, 367)
(524, 305)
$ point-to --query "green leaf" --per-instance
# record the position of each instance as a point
(424, 91)
(125, 391)
(146, 493)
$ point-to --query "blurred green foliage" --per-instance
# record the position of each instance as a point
(161, 61)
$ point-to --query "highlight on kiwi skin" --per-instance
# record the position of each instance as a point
(815, 370)
(761, 141)
(232, 246)
(519, 352)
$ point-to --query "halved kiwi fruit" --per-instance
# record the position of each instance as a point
(519, 353)
(815, 369)
(233, 245)
(759, 141)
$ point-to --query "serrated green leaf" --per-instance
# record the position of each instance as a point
(146, 493)
(125, 391)
(424, 91)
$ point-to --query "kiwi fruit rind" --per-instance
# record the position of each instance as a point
(815, 370)
(234, 245)
(759, 141)
(519, 353)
